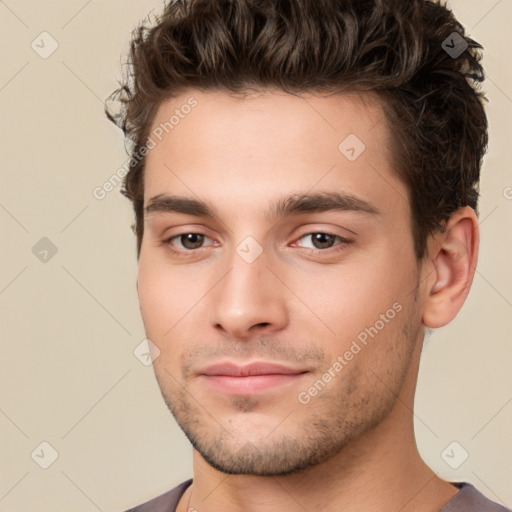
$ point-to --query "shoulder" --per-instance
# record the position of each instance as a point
(469, 499)
(166, 502)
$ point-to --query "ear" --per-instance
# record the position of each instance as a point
(452, 258)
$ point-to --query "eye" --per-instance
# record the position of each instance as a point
(322, 240)
(189, 241)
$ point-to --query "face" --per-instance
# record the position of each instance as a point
(277, 275)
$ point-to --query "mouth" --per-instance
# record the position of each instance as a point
(249, 379)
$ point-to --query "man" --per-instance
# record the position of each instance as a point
(304, 175)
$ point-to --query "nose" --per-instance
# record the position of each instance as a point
(249, 300)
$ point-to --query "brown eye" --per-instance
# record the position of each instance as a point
(322, 240)
(186, 243)
(191, 240)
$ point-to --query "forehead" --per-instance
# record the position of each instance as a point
(236, 151)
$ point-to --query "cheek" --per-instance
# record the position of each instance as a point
(160, 307)
(352, 298)
(157, 297)
(172, 304)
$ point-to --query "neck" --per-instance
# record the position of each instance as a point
(381, 470)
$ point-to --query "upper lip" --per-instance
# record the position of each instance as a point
(244, 370)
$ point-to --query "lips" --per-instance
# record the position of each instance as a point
(249, 379)
(257, 368)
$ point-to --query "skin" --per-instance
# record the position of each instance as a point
(298, 303)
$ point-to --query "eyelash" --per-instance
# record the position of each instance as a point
(191, 252)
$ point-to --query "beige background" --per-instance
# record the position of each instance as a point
(69, 326)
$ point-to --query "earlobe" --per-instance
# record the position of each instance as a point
(453, 256)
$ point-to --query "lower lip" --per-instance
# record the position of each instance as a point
(250, 384)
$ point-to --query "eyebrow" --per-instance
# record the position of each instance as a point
(283, 207)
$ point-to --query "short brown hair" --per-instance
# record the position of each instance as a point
(397, 49)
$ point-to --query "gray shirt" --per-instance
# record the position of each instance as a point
(468, 499)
